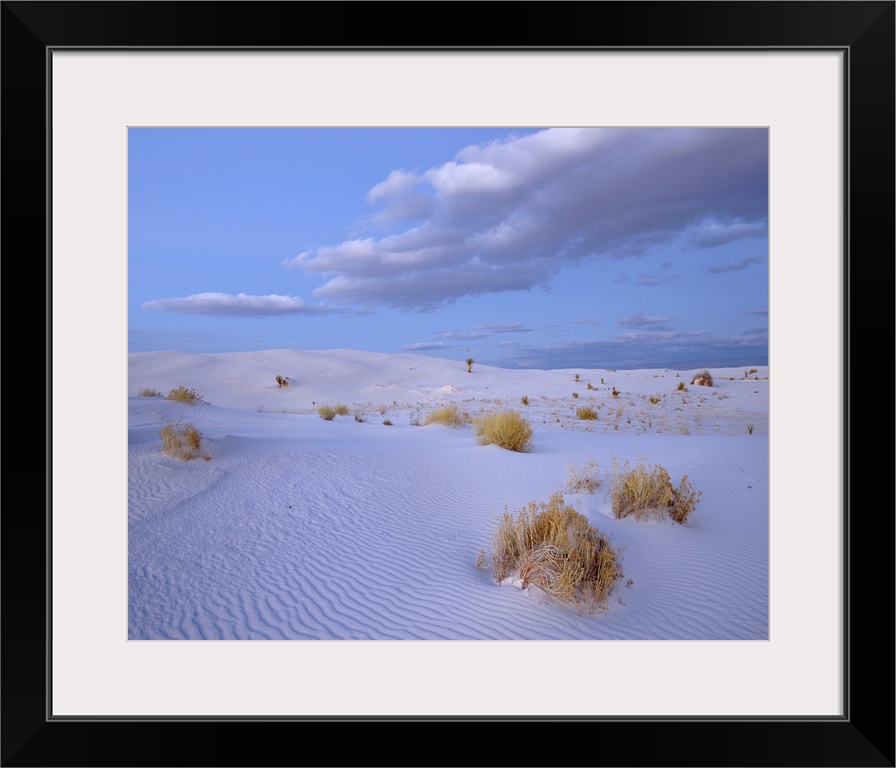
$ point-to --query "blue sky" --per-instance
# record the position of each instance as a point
(522, 248)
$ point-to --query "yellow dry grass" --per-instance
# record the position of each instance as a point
(506, 429)
(552, 546)
(183, 441)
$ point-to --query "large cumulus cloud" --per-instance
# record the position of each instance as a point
(513, 213)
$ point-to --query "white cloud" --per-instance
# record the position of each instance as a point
(423, 346)
(238, 305)
(513, 213)
(640, 320)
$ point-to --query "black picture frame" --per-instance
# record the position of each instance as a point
(863, 31)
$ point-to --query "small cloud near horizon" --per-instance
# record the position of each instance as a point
(483, 331)
(735, 267)
(640, 320)
(238, 305)
(424, 346)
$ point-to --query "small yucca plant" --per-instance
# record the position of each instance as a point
(184, 395)
(553, 547)
(524, 400)
(681, 387)
(469, 365)
(282, 381)
(183, 442)
(506, 429)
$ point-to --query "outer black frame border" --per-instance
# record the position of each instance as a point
(863, 31)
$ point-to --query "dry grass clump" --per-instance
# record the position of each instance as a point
(586, 412)
(582, 479)
(506, 429)
(149, 392)
(648, 489)
(449, 416)
(340, 409)
(552, 546)
(525, 399)
(183, 442)
(282, 381)
(184, 395)
(702, 379)
(326, 412)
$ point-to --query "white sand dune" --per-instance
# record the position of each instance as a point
(297, 528)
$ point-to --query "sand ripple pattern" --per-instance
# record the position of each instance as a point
(300, 538)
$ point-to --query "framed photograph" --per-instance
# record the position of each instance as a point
(818, 77)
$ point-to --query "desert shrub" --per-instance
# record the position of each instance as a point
(387, 423)
(282, 381)
(524, 400)
(149, 392)
(469, 365)
(648, 490)
(506, 429)
(615, 392)
(577, 377)
(340, 409)
(702, 379)
(575, 394)
(582, 479)
(586, 412)
(654, 399)
(326, 412)
(184, 395)
(681, 387)
(182, 442)
(449, 416)
(552, 546)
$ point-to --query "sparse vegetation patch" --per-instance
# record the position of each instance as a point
(586, 412)
(149, 392)
(702, 379)
(184, 395)
(183, 441)
(449, 416)
(647, 490)
(583, 479)
(553, 547)
(506, 429)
